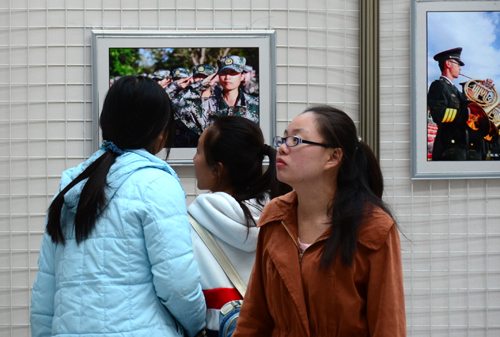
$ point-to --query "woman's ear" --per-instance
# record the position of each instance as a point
(218, 174)
(158, 143)
(335, 158)
(218, 170)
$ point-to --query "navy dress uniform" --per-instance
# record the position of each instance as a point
(455, 140)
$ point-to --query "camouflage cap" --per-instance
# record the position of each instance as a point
(203, 69)
(180, 73)
(249, 69)
(236, 63)
(161, 74)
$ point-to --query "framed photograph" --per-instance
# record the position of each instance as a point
(455, 89)
(205, 73)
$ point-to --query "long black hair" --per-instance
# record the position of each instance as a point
(238, 143)
(135, 112)
(360, 183)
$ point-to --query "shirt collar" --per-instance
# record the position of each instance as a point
(446, 78)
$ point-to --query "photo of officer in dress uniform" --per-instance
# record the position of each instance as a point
(461, 125)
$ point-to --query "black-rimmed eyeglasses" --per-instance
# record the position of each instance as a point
(292, 141)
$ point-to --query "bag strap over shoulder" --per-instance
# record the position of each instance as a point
(219, 255)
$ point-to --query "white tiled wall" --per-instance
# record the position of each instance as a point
(451, 254)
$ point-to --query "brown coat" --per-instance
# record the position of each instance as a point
(288, 295)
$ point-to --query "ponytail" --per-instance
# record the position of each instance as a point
(266, 185)
(238, 144)
(371, 174)
(259, 188)
(92, 200)
(135, 111)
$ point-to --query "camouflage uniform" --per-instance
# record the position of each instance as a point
(173, 88)
(196, 112)
(188, 107)
(246, 106)
(203, 69)
(252, 86)
(187, 102)
(160, 74)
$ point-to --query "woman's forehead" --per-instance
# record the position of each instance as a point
(302, 124)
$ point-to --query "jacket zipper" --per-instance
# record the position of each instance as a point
(295, 242)
(297, 245)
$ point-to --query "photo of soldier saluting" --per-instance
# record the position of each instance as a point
(201, 82)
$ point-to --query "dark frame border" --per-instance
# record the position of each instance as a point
(369, 78)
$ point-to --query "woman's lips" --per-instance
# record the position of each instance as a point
(280, 163)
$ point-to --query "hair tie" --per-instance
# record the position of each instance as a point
(265, 149)
(106, 145)
(359, 141)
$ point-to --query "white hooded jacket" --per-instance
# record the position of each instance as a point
(223, 217)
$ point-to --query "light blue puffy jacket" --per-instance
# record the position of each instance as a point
(135, 275)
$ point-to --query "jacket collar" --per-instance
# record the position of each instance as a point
(280, 209)
(372, 232)
(284, 209)
(447, 80)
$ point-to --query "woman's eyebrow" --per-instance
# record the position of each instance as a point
(295, 131)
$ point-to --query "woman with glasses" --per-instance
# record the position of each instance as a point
(328, 259)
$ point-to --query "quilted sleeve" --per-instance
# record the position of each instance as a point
(44, 289)
(168, 242)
